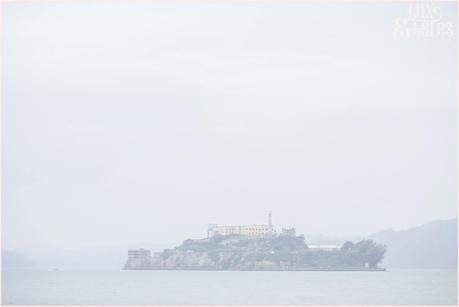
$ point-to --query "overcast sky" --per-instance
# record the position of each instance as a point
(144, 121)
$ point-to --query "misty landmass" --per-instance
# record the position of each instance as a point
(433, 245)
(12, 259)
(239, 252)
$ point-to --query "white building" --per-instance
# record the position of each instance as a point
(325, 247)
(139, 254)
(245, 230)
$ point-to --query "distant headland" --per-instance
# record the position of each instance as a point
(259, 248)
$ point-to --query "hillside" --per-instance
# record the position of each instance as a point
(433, 245)
(14, 260)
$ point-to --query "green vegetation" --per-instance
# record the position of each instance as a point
(235, 252)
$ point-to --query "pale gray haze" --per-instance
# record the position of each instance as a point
(127, 122)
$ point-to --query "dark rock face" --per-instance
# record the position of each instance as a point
(235, 252)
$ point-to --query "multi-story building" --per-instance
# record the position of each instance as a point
(138, 259)
(139, 254)
(245, 230)
(325, 247)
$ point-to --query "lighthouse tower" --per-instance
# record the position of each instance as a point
(270, 220)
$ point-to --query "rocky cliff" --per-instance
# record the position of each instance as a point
(235, 252)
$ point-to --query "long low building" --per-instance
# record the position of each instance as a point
(325, 247)
(245, 230)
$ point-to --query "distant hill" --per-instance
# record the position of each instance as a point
(87, 257)
(433, 245)
(12, 259)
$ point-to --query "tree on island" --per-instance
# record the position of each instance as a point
(347, 246)
(373, 252)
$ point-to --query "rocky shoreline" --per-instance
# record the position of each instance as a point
(267, 253)
(269, 270)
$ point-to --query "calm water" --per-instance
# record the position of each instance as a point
(395, 287)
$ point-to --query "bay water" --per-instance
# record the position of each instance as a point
(117, 287)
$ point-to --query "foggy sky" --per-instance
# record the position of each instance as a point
(145, 121)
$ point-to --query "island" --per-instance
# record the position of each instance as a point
(259, 247)
(270, 253)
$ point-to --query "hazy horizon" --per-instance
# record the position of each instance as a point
(311, 238)
(145, 122)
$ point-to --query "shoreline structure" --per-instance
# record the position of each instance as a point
(259, 247)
